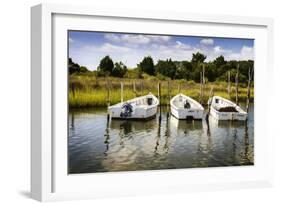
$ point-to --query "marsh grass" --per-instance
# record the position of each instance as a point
(91, 91)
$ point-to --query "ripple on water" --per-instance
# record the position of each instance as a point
(95, 145)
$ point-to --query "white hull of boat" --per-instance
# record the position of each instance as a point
(140, 108)
(178, 110)
(219, 102)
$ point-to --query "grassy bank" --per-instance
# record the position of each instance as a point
(91, 91)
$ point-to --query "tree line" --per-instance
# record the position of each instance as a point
(216, 70)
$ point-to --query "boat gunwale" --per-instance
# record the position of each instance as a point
(198, 105)
(239, 109)
(135, 99)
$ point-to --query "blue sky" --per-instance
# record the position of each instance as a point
(88, 48)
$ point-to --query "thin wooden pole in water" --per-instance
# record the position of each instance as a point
(159, 98)
(121, 91)
(203, 81)
(108, 96)
(211, 94)
(229, 85)
(250, 75)
(179, 88)
(201, 97)
(236, 84)
(168, 99)
(141, 87)
(134, 88)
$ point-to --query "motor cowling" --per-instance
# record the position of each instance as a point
(126, 110)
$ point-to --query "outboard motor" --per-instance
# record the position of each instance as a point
(126, 110)
(186, 105)
(149, 100)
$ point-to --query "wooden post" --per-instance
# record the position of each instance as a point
(229, 85)
(203, 81)
(250, 75)
(159, 92)
(108, 97)
(159, 98)
(108, 92)
(121, 91)
(141, 87)
(134, 89)
(168, 103)
(201, 88)
(236, 84)
(211, 94)
(179, 88)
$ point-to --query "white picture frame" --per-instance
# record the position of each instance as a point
(49, 180)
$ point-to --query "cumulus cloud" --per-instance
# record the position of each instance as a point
(130, 49)
(207, 42)
(107, 47)
(70, 40)
(136, 38)
(245, 53)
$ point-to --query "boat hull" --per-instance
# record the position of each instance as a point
(187, 113)
(140, 108)
(184, 107)
(137, 114)
(219, 102)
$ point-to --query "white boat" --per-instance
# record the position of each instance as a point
(144, 107)
(223, 109)
(184, 107)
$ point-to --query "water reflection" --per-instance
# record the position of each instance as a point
(98, 144)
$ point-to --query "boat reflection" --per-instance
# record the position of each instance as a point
(185, 125)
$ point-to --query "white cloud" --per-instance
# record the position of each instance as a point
(107, 47)
(130, 49)
(70, 40)
(207, 42)
(180, 45)
(112, 37)
(136, 39)
(245, 53)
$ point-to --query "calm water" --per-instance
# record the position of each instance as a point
(96, 145)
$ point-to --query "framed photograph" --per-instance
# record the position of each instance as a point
(138, 102)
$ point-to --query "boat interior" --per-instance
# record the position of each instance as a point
(223, 106)
(183, 103)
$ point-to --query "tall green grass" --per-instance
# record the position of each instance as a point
(91, 91)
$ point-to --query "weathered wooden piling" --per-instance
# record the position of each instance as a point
(211, 94)
(250, 76)
(108, 97)
(134, 89)
(168, 98)
(179, 88)
(141, 87)
(159, 98)
(236, 85)
(201, 88)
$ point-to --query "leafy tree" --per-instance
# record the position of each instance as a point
(119, 70)
(73, 67)
(147, 65)
(83, 69)
(106, 66)
(210, 72)
(167, 68)
(198, 58)
(133, 73)
(219, 61)
(184, 70)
